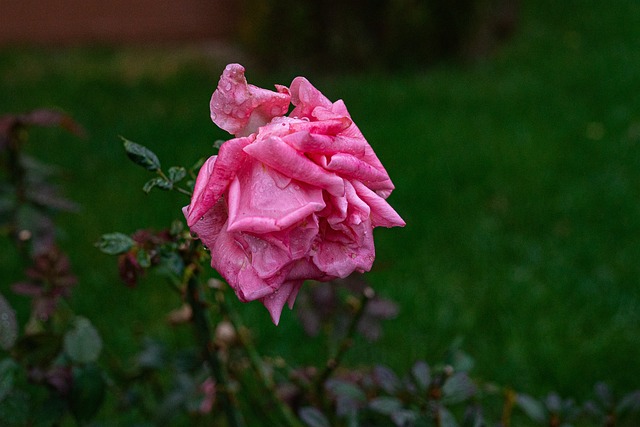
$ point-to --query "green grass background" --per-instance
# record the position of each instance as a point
(518, 177)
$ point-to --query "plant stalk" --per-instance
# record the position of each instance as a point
(256, 361)
(334, 361)
(203, 333)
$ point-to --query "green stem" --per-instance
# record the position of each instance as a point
(256, 361)
(183, 191)
(203, 332)
(334, 361)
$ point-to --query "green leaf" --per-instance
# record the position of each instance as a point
(8, 325)
(83, 343)
(152, 356)
(404, 417)
(458, 388)
(141, 155)
(446, 418)
(386, 379)
(630, 402)
(176, 173)
(385, 405)
(421, 374)
(159, 182)
(533, 408)
(115, 243)
(346, 389)
(171, 263)
(312, 417)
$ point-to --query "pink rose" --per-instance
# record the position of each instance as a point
(291, 197)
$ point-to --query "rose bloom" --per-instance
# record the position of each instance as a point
(290, 198)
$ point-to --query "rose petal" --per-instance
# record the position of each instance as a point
(308, 142)
(339, 254)
(209, 226)
(266, 259)
(277, 154)
(331, 126)
(276, 301)
(340, 110)
(306, 98)
(382, 214)
(230, 259)
(346, 165)
(335, 210)
(214, 177)
(296, 241)
(257, 203)
(240, 108)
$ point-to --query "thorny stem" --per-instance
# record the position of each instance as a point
(256, 361)
(334, 361)
(227, 398)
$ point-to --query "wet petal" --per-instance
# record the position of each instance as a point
(340, 254)
(266, 259)
(346, 165)
(258, 204)
(307, 142)
(214, 177)
(277, 154)
(276, 301)
(382, 214)
(209, 226)
(240, 108)
(297, 240)
(306, 98)
(230, 259)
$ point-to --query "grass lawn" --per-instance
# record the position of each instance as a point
(518, 177)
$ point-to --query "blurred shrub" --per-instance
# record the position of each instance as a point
(379, 33)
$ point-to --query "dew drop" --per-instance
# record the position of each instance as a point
(214, 116)
(228, 86)
(227, 109)
(275, 111)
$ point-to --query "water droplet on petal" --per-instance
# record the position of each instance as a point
(214, 116)
(275, 111)
(228, 86)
